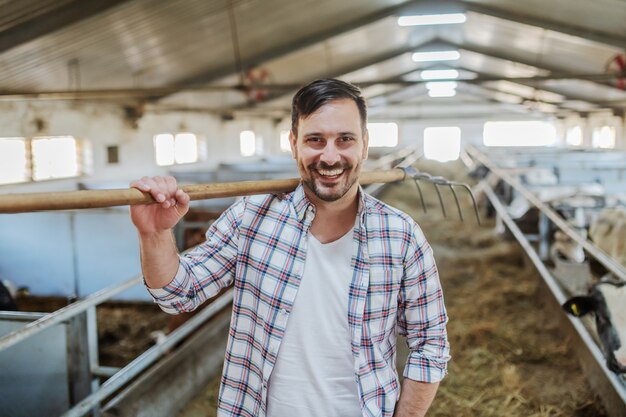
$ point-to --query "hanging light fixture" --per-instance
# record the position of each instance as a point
(439, 74)
(433, 12)
(441, 88)
(432, 19)
(427, 56)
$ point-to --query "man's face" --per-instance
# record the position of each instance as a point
(330, 149)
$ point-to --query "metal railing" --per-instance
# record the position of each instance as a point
(610, 387)
(143, 361)
(607, 261)
(117, 377)
(66, 313)
(618, 386)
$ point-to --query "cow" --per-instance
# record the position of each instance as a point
(606, 302)
(565, 248)
(608, 232)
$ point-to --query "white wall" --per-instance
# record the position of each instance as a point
(78, 252)
(105, 125)
(70, 253)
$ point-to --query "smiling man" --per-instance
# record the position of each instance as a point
(325, 278)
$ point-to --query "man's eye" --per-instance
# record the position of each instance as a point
(347, 138)
(313, 139)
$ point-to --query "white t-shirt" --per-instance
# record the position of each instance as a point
(314, 371)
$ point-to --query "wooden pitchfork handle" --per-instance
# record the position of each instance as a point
(64, 200)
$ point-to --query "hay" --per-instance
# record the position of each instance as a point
(507, 356)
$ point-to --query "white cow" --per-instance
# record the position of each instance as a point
(608, 232)
(606, 301)
(563, 246)
(607, 298)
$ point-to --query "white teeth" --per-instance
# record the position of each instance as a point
(328, 173)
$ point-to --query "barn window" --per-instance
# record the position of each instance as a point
(54, 157)
(247, 143)
(519, 133)
(185, 148)
(13, 160)
(442, 143)
(182, 148)
(164, 149)
(382, 134)
(43, 158)
(603, 137)
(574, 136)
(284, 141)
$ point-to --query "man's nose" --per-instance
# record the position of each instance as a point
(330, 154)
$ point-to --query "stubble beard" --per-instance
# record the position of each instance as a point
(330, 194)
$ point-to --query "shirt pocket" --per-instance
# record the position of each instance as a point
(381, 302)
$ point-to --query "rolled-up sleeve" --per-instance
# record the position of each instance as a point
(206, 269)
(422, 314)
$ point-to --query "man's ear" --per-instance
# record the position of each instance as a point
(292, 143)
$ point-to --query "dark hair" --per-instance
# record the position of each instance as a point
(314, 95)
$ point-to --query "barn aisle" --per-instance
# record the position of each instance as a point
(508, 358)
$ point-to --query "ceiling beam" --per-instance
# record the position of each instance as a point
(342, 71)
(147, 93)
(561, 27)
(52, 21)
(483, 95)
(525, 81)
(448, 111)
(532, 84)
(483, 77)
(558, 72)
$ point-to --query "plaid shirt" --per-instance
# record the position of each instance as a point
(259, 245)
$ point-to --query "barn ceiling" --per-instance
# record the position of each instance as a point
(230, 56)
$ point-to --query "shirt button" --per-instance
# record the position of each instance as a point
(283, 311)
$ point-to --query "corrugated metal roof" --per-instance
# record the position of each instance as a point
(152, 43)
(15, 12)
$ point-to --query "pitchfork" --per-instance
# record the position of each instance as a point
(418, 176)
(21, 203)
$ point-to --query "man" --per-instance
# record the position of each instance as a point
(324, 277)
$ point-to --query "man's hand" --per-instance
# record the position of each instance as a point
(150, 219)
(159, 256)
(415, 398)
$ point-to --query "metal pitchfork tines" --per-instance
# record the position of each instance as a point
(418, 176)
